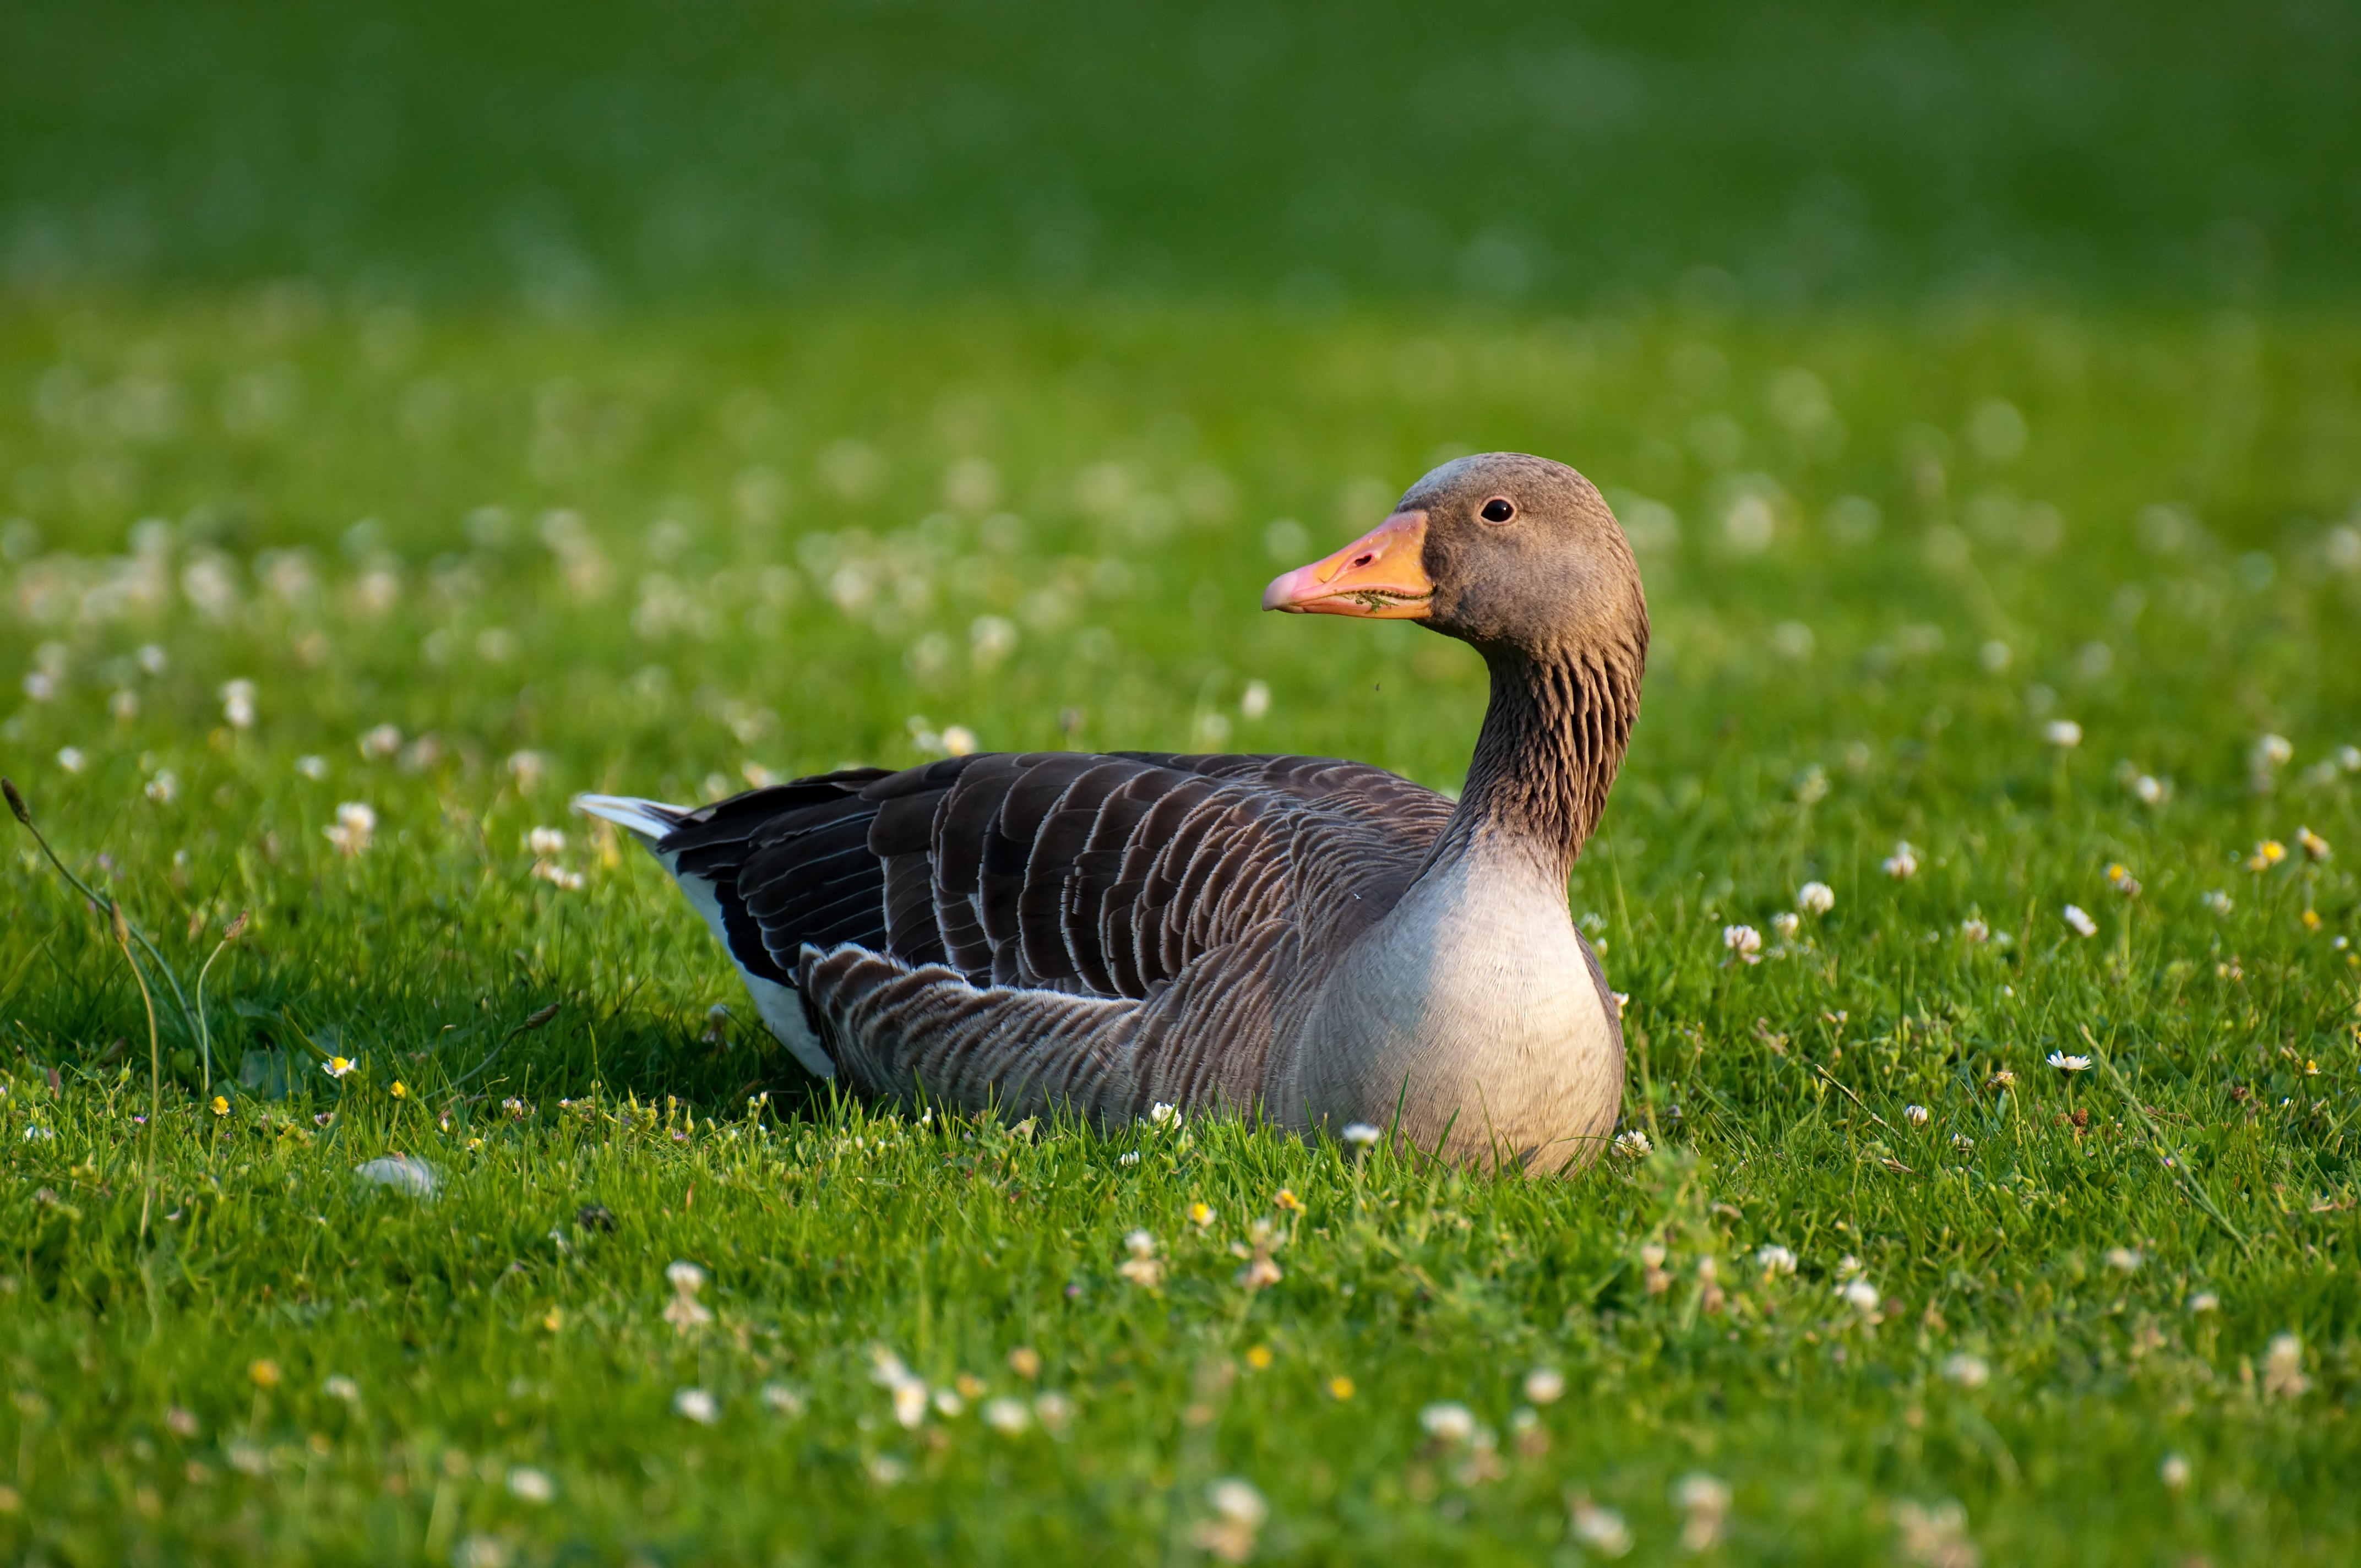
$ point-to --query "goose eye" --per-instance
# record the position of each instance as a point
(1497, 510)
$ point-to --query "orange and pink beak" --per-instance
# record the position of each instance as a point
(1381, 576)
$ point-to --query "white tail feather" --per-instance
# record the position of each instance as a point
(647, 820)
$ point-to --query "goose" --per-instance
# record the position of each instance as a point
(1315, 942)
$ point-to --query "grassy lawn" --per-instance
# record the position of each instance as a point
(1889, 1287)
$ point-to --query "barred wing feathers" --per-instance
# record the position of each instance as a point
(1091, 930)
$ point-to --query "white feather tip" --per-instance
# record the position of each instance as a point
(646, 820)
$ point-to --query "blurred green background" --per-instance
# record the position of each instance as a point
(411, 416)
(1308, 155)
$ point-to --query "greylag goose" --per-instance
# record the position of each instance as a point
(1318, 942)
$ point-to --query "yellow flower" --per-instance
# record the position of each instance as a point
(1287, 1200)
(552, 1320)
(336, 1067)
(1340, 1388)
(399, 1091)
(2311, 919)
(221, 1105)
(1259, 1358)
(1200, 1215)
(2268, 853)
(265, 1374)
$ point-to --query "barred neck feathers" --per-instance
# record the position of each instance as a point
(1553, 740)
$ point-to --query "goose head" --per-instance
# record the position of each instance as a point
(1517, 555)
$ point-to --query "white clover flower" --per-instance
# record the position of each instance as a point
(909, 1392)
(697, 1406)
(71, 759)
(1903, 864)
(1238, 1513)
(1601, 1530)
(1786, 923)
(1008, 1417)
(2173, 1473)
(1962, 1142)
(1816, 898)
(532, 1485)
(2124, 1259)
(1360, 1135)
(1744, 942)
(2272, 752)
(2283, 1375)
(2150, 790)
(1129, 1156)
(1706, 1500)
(379, 742)
(2217, 901)
(1633, 1145)
(354, 829)
(686, 1277)
(313, 768)
(1975, 930)
(339, 1386)
(164, 788)
(1862, 1294)
(1237, 1500)
(783, 1398)
(1448, 1422)
(2062, 733)
(237, 704)
(1775, 1260)
(546, 841)
(2204, 1301)
(1161, 1115)
(1968, 1371)
(1915, 1114)
(1545, 1385)
(2065, 1063)
(2074, 915)
(1053, 1410)
(960, 740)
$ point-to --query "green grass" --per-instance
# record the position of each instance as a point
(2141, 524)
(604, 151)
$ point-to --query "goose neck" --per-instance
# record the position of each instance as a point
(1552, 739)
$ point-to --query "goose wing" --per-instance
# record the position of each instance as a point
(1099, 876)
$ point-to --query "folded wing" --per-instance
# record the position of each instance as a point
(1093, 875)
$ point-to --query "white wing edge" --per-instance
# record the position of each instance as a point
(647, 820)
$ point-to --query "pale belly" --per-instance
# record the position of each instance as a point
(1470, 1017)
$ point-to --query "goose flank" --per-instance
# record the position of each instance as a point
(1318, 942)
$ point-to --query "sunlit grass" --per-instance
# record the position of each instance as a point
(471, 566)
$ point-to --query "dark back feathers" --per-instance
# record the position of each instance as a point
(1101, 875)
